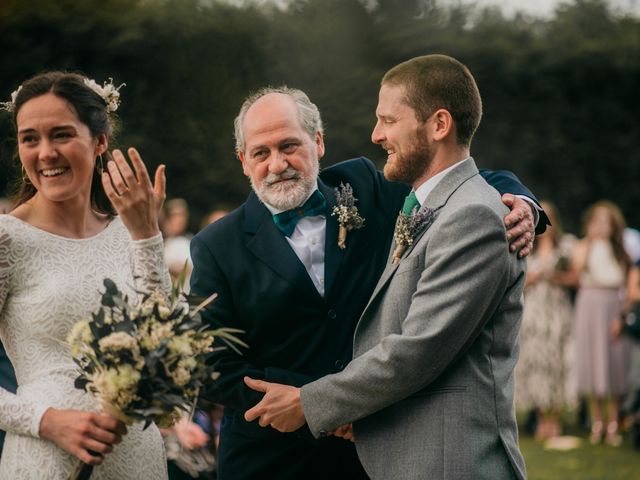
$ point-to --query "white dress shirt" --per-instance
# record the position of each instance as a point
(307, 241)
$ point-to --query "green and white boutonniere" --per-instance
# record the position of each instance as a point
(408, 227)
(347, 212)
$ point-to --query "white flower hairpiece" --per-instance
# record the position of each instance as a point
(108, 92)
(10, 106)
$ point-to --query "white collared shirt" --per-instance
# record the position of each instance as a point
(307, 241)
(427, 187)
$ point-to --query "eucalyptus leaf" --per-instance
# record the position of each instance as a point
(81, 383)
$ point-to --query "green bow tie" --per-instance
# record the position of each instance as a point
(287, 221)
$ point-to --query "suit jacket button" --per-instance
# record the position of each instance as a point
(339, 364)
(332, 314)
(323, 433)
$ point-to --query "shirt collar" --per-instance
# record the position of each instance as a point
(423, 191)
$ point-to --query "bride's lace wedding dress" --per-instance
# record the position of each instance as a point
(47, 283)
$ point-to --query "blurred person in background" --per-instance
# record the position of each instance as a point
(629, 324)
(600, 265)
(213, 216)
(189, 445)
(191, 448)
(175, 224)
(541, 371)
(631, 240)
(215, 412)
(5, 205)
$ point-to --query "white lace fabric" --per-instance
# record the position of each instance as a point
(47, 283)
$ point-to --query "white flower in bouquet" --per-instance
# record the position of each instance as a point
(117, 386)
(145, 361)
(79, 336)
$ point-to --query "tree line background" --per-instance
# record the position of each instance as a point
(560, 94)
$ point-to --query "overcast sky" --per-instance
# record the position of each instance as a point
(546, 7)
(531, 7)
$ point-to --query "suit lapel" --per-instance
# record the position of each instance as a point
(435, 200)
(333, 255)
(388, 272)
(269, 245)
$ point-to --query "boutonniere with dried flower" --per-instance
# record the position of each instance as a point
(347, 213)
(409, 227)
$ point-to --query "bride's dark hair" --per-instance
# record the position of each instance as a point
(91, 110)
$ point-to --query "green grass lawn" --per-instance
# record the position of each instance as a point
(588, 462)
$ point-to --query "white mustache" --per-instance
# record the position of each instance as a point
(288, 174)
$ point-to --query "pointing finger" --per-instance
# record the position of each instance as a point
(257, 385)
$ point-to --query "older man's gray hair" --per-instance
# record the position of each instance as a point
(307, 111)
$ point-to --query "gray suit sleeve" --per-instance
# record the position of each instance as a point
(465, 273)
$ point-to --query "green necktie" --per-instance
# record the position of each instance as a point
(410, 202)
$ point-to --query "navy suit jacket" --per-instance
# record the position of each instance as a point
(294, 335)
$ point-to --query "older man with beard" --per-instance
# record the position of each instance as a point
(282, 277)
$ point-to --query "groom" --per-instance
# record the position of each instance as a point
(430, 388)
(286, 282)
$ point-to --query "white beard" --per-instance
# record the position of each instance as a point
(290, 194)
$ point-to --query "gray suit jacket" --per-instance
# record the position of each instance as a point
(430, 390)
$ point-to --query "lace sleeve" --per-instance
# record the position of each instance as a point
(149, 269)
(16, 414)
(20, 416)
(5, 266)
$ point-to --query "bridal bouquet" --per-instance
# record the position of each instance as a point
(145, 360)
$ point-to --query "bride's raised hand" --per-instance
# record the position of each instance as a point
(135, 198)
(88, 436)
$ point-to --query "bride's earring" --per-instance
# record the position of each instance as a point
(25, 177)
(100, 165)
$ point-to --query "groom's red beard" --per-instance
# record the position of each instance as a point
(409, 167)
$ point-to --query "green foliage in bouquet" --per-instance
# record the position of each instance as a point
(145, 360)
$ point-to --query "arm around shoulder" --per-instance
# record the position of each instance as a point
(461, 283)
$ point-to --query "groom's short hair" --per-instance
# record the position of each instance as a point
(438, 81)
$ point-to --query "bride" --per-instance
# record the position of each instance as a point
(76, 221)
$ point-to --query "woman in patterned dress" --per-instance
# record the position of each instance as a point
(541, 372)
(73, 225)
